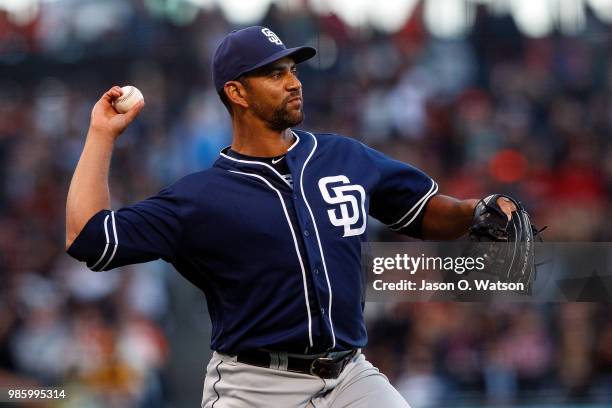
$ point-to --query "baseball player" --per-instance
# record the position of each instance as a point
(271, 234)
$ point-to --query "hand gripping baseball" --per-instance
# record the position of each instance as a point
(106, 120)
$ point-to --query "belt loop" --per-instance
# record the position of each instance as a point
(283, 361)
(274, 360)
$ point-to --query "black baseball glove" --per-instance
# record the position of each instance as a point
(506, 245)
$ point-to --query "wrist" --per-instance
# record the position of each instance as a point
(101, 135)
(470, 206)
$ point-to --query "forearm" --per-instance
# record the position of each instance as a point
(447, 218)
(89, 191)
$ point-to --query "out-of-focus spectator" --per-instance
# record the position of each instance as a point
(490, 111)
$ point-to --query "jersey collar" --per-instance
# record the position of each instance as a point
(296, 156)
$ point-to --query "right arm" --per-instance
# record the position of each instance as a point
(89, 191)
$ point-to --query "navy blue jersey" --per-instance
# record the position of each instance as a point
(279, 262)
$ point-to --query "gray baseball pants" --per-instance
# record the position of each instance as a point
(230, 384)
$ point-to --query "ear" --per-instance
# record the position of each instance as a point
(236, 93)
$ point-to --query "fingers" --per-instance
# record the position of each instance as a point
(112, 94)
(507, 206)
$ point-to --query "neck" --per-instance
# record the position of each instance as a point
(254, 138)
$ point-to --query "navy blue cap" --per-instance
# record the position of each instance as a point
(245, 50)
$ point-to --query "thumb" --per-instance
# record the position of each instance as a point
(123, 120)
(134, 111)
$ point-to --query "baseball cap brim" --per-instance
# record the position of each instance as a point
(299, 54)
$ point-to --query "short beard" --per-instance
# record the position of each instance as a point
(281, 118)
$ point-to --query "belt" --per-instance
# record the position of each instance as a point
(327, 366)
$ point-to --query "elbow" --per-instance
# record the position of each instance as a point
(71, 235)
(73, 229)
(69, 241)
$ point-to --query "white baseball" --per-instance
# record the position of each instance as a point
(131, 96)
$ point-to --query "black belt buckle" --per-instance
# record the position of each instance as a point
(329, 368)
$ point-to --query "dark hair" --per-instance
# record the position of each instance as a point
(223, 96)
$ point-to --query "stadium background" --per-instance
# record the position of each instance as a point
(485, 96)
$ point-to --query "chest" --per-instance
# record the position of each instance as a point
(254, 210)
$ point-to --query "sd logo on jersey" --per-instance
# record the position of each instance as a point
(354, 219)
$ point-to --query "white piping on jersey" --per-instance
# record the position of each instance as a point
(116, 242)
(314, 223)
(297, 139)
(418, 207)
(257, 162)
(93, 268)
(297, 250)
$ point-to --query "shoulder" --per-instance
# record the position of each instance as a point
(194, 182)
(333, 140)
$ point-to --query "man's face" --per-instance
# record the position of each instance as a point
(274, 94)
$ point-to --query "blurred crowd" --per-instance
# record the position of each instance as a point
(493, 111)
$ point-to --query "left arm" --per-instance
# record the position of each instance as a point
(404, 194)
(447, 218)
